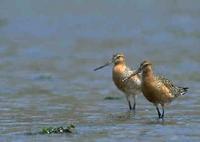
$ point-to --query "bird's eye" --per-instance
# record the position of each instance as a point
(118, 57)
(143, 65)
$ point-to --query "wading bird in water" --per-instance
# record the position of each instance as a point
(120, 71)
(157, 89)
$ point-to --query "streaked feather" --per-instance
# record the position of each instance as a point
(175, 90)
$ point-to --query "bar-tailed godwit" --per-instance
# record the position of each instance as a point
(120, 71)
(157, 89)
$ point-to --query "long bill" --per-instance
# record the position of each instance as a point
(133, 74)
(106, 64)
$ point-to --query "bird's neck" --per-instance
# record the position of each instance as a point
(120, 63)
(147, 74)
(119, 67)
(119, 70)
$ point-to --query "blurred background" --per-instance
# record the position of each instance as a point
(48, 50)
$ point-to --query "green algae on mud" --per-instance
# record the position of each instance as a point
(54, 130)
(57, 130)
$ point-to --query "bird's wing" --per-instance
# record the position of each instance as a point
(175, 90)
(129, 71)
(169, 84)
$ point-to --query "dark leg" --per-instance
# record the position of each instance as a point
(159, 114)
(163, 112)
(129, 103)
(134, 105)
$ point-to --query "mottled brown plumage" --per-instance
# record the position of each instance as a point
(157, 89)
(120, 71)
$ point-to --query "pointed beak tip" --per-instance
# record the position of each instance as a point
(98, 68)
(127, 78)
(124, 79)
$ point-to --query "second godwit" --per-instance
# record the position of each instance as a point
(157, 89)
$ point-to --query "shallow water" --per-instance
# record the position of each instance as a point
(49, 49)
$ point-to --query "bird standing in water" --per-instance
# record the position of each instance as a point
(120, 71)
(157, 89)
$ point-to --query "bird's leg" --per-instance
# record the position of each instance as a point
(134, 105)
(159, 114)
(129, 101)
(163, 112)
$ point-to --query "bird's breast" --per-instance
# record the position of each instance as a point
(131, 85)
(117, 75)
(117, 79)
(156, 92)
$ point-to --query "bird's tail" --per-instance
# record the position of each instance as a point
(183, 90)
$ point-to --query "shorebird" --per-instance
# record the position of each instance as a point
(157, 89)
(120, 71)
